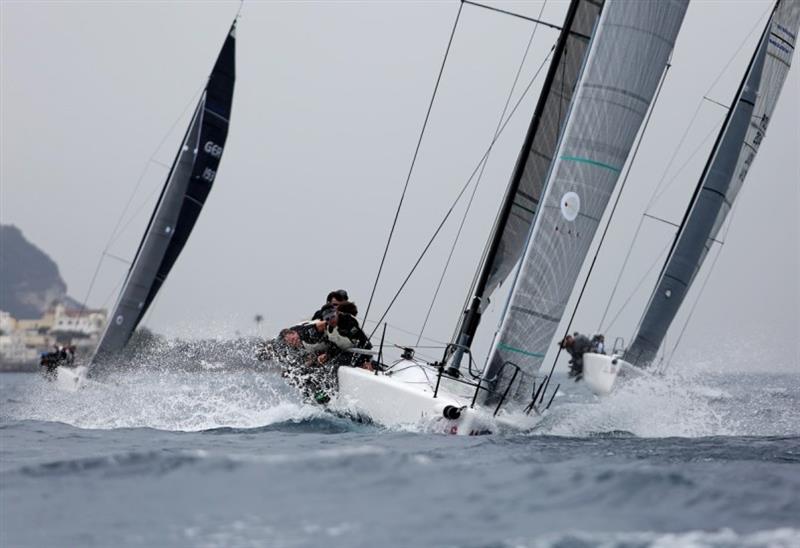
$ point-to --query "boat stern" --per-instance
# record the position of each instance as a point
(600, 372)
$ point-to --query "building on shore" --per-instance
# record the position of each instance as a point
(23, 341)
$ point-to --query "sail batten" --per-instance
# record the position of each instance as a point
(627, 57)
(723, 176)
(178, 207)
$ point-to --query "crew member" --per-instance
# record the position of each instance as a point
(599, 344)
(577, 345)
(345, 333)
(335, 298)
(302, 352)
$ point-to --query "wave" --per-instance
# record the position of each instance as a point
(216, 385)
(160, 462)
(723, 538)
(683, 403)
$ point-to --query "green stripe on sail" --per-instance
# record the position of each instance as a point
(520, 351)
(592, 162)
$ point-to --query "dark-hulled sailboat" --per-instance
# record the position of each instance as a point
(182, 197)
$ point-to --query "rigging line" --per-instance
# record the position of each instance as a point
(638, 286)
(408, 332)
(153, 159)
(714, 130)
(414, 159)
(676, 225)
(656, 194)
(654, 198)
(113, 236)
(487, 247)
(133, 217)
(710, 100)
(118, 258)
(757, 25)
(463, 189)
(613, 210)
(518, 15)
(700, 293)
(560, 102)
(480, 177)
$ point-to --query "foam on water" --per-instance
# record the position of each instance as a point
(724, 538)
(652, 407)
(165, 400)
(181, 386)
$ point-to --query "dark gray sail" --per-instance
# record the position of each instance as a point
(536, 156)
(524, 190)
(182, 197)
(626, 60)
(722, 178)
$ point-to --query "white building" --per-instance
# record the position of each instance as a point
(88, 323)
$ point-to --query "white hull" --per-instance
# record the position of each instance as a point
(601, 372)
(404, 396)
(70, 378)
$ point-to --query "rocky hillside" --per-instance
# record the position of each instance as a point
(29, 279)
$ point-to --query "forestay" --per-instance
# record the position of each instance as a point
(724, 174)
(182, 197)
(628, 54)
(540, 144)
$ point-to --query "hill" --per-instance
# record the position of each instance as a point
(29, 278)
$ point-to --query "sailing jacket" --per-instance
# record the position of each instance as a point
(581, 344)
(312, 339)
(347, 333)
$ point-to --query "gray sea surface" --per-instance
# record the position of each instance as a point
(230, 456)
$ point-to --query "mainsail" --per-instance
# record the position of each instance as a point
(182, 197)
(627, 57)
(722, 178)
(533, 164)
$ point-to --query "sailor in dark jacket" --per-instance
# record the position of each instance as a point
(577, 345)
(345, 334)
(303, 354)
(335, 298)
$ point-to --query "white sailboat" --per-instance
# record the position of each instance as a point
(606, 67)
(735, 150)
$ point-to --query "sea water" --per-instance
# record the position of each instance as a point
(219, 455)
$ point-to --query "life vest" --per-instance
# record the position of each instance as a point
(347, 334)
(342, 342)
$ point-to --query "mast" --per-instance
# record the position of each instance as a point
(723, 175)
(182, 197)
(524, 188)
(627, 58)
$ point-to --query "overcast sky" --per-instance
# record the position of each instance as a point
(329, 101)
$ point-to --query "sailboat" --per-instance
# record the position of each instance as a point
(722, 178)
(182, 197)
(607, 64)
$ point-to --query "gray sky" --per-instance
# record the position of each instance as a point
(329, 101)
